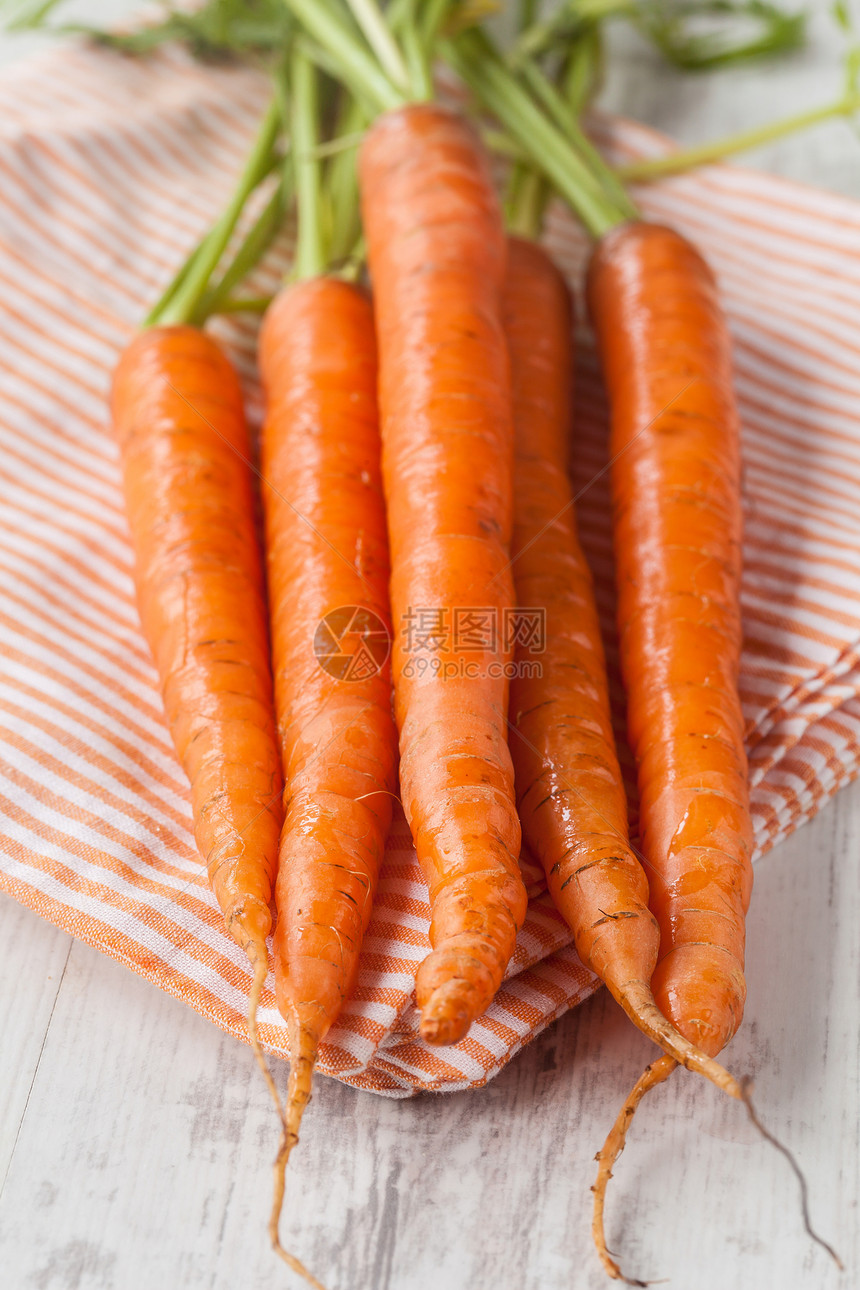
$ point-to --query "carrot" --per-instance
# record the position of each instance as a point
(436, 252)
(677, 532)
(327, 556)
(570, 794)
(178, 419)
(328, 576)
(328, 570)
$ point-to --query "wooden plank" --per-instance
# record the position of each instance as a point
(140, 1116)
(33, 961)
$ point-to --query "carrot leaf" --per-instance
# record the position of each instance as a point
(697, 36)
(218, 30)
(691, 34)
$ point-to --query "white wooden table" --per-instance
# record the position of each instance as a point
(135, 1137)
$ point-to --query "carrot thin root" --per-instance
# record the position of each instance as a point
(304, 1046)
(653, 1075)
(259, 962)
(746, 1097)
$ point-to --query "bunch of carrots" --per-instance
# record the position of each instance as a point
(414, 453)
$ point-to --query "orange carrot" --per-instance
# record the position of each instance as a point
(677, 522)
(328, 580)
(677, 528)
(327, 557)
(178, 418)
(571, 797)
(436, 251)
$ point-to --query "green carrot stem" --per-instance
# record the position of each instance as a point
(177, 281)
(398, 13)
(344, 141)
(525, 211)
(341, 184)
(543, 33)
(310, 257)
(567, 120)
(252, 249)
(473, 56)
(416, 35)
(501, 143)
(246, 304)
(545, 92)
(513, 189)
(529, 191)
(350, 268)
(376, 31)
(327, 63)
(583, 71)
(183, 305)
(673, 29)
(687, 158)
(615, 190)
(32, 18)
(433, 15)
(420, 72)
(355, 64)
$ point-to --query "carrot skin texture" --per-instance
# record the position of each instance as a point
(677, 531)
(436, 251)
(178, 419)
(326, 548)
(571, 797)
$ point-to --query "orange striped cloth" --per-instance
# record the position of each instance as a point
(109, 171)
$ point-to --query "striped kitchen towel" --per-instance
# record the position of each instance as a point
(109, 171)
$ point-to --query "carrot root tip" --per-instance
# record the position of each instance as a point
(653, 1074)
(446, 1015)
(259, 962)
